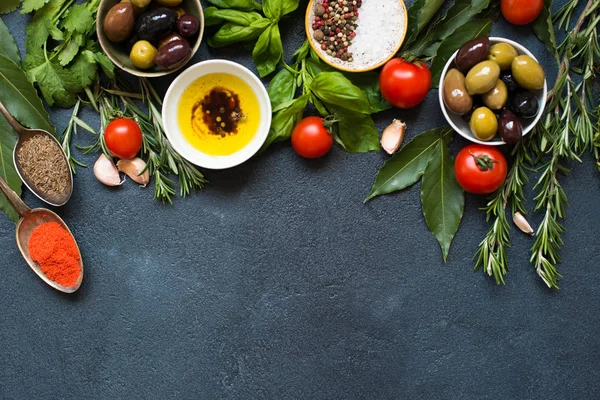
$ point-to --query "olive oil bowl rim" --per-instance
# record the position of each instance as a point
(171, 105)
(106, 45)
(465, 131)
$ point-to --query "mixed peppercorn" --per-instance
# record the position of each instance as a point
(335, 26)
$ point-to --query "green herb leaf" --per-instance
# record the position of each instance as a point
(32, 5)
(368, 82)
(469, 31)
(275, 9)
(37, 33)
(8, 6)
(68, 53)
(302, 52)
(544, 29)
(268, 51)
(284, 121)
(79, 19)
(20, 97)
(214, 16)
(106, 64)
(419, 15)
(442, 198)
(8, 46)
(231, 33)
(335, 89)
(282, 88)
(85, 69)
(8, 140)
(239, 4)
(406, 167)
(356, 132)
(56, 83)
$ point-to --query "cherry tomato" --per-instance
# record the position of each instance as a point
(404, 84)
(521, 12)
(123, 138)
(310, 138)
(480, 169)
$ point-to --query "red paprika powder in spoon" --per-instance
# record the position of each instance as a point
(55, 251)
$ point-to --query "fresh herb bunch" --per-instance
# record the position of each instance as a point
(163, 162)
(62, 54)
(239, 22)
(565, 133)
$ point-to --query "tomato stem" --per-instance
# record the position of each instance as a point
(484, 163)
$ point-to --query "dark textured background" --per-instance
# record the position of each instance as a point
(276, 282)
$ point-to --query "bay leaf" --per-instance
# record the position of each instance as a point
(471, 30)
(544, 29)
(8, 45)
(419, 15)
(442, 198)
(8, 139)
(20, 97)
(406, 167)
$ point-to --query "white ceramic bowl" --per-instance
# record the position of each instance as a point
(462, 127)
(171, 105)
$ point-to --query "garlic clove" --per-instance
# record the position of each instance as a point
(392, 136)
(106, 172)
(522, 223)
(133, 168)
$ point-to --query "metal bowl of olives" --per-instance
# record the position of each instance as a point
(492, 91)
(150, 38)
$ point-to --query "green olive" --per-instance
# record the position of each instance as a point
(528, 73)
(140, 3)
(142, 55)
(455, 93)
(168, 3)
(482, 77)
(484, 124)
(503, 54)
(496, 98)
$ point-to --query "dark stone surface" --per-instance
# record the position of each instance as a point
(276, 282)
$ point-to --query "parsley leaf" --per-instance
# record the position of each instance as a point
(57, 84)
(7, 6)
(69, 52)
(107, 66)
(84, 69)
(79, 19)
(32, 5)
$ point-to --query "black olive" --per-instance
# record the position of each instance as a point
(525, 104)
(155, 24)
(509, 127)
(188, 25)
(509, 81)
(472, 53)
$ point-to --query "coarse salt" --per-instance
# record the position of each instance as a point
(381, 29)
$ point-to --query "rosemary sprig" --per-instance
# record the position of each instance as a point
(491, 255)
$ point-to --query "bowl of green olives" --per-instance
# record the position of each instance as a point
(492, 91)
(150, 38)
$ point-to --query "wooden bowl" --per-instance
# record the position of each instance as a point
(118, 53)
(375, 33)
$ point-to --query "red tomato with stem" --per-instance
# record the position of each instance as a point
(311, 138)
(404, 84)
(123, 138)
(521, 12)
(480, 169)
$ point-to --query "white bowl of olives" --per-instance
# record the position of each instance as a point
(492, 91)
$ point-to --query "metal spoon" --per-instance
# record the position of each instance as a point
(31, 219)
(24, 135)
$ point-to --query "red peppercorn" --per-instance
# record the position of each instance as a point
(317, 19)
(347, 15)
(337, 30)
(315, 26)
(324, 46)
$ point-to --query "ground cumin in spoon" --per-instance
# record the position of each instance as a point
(43, 165)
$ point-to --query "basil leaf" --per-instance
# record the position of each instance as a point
(469, 31)
(406, 167)
(315, 67)
(442, 198)
(231, 33)
(8, 46)
(544, 29)
(275, 9)
(282, 88)
(214, 16)
(284, 121)
(335, 89)
(268, 51)
(302, 52)
(368, 82)
(239, 4)
(356, 133)
(419, 15)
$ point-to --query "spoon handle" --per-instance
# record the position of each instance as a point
(11, 120)
(14, 200)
